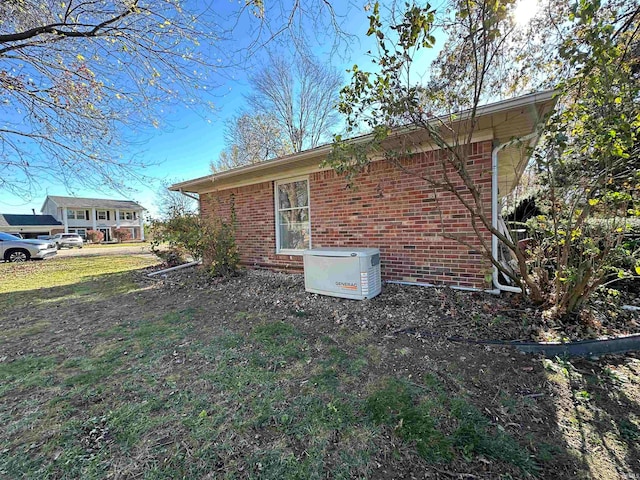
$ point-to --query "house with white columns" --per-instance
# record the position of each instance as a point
(78, 215)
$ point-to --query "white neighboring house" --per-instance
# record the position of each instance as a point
(81, 214)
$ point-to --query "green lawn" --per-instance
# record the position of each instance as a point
(137, 396)
(107, 374)
(66, 271)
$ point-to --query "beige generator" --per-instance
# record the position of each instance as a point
(343, 272)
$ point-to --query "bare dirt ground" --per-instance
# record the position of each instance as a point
(577, 419)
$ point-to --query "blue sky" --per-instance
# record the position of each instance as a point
(185, 146)
(189, 140)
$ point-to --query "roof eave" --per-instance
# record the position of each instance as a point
(490, 109)
(45, 202)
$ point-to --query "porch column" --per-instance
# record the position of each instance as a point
(93, 217)
(141, 226)
(65, 220)
(117, 218)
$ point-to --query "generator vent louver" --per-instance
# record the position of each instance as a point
(343, 272)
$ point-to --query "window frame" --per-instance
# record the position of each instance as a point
(276, 184)
(122, 215)
(72, 214)
(98, 212)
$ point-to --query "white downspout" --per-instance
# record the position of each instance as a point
(494, 209)
(189, 195)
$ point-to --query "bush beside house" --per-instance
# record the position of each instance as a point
(95, 236)
(121, 235)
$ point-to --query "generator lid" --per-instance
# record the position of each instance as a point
(341, 252)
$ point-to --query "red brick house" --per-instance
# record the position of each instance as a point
(287, 204)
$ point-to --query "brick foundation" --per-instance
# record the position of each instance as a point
(388, 208)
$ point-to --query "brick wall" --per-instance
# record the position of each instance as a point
(390, 209)
(255, 231)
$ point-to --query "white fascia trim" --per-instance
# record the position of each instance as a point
(479, 136)
(503, 105)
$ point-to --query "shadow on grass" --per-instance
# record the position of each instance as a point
(93, 288)
(598, 407)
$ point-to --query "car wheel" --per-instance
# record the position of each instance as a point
(17, 256)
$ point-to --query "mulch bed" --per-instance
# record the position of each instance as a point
(439, 311)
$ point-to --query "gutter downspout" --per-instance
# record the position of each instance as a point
(494, 209)
(188, 195)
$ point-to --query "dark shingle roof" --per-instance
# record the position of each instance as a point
(11, 220)
(77, 202)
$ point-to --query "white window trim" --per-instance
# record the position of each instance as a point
(75, 214)
(98, 212)
(290, 251)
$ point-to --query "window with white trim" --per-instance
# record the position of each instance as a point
(102, 214)
(124, 215)
(76, 214)
(293, 226)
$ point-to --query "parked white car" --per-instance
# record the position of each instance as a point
(69, 240)
(14, 249)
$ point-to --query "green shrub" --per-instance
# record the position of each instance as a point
(220, 253)
(211, 241)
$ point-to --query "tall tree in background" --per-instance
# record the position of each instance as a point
(301, 94)
(81, 79)
(251, 139)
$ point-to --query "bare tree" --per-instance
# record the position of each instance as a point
(251, 139)
(81, 79)
(174, 204)
(301, 94)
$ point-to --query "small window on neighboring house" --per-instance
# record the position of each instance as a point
(293, 227)
(102, 214)
(71, 214)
